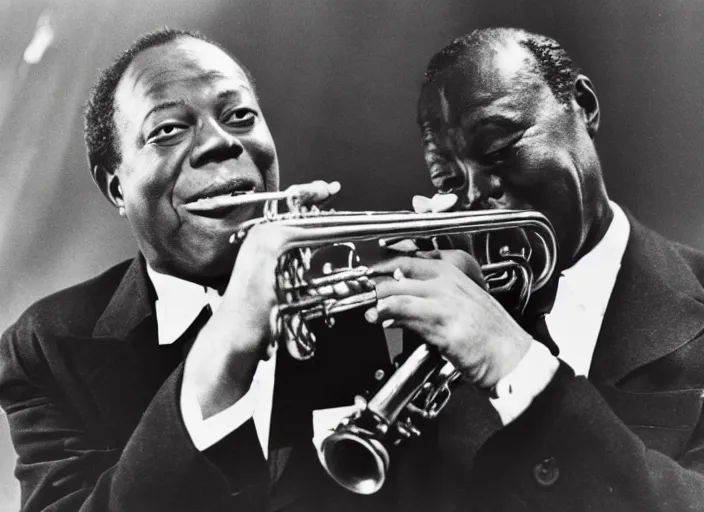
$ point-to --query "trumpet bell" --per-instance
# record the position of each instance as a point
(356, 461)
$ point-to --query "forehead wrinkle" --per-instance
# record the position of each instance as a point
(473, 121)
(161, 81)
(179, 62)
(514, 94)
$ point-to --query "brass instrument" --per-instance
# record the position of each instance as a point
(356, 455)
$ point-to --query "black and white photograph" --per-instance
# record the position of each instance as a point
(351, 256)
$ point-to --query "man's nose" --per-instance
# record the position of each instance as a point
(214, 144)
(483, 189)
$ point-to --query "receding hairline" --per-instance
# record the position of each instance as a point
(550, 60)
(140, 55)
(525, 76)
(492, 49)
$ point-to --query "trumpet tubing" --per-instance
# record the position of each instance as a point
(357, 454)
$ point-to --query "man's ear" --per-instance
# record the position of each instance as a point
(109, 184)
(588, 103)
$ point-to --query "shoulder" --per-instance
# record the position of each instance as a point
(73, 310)
(692, 257)
(678, 262)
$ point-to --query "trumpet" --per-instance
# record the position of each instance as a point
(357, 453)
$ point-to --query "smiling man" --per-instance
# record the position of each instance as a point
(107, 411)
(610, 418)
(182, 112)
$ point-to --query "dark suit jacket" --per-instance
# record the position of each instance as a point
(93, 404)
(93, 407)
(628, 438)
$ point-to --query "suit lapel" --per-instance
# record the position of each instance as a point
(291, 416)
(125, 344)
(129, 306)
(655, 307)
(123, 364)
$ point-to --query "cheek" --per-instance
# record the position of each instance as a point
(263, 152)
(148, 192)
(541, 178)
(549, 183)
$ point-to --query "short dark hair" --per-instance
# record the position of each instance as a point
(552, 61)
(100, 129)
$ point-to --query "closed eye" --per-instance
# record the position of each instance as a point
(501, 150)
(498, 156)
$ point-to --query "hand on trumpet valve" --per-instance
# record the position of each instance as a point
(441, 297)
(221, 364)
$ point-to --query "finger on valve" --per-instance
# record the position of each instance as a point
(463, 261)
(406, 266)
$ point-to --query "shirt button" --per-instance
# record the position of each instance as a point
(547, 472)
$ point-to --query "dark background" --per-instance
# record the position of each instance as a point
(338, 81)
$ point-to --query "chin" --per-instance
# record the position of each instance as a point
(214, 269)
(209, 267)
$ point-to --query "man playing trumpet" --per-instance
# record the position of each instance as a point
(608, 414)
(105, 413)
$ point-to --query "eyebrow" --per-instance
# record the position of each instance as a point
(229, 94)
(232, 94)
(164, 106)
(497, 119)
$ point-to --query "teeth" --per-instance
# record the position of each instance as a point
(209, 203)
(219, 201)
(242, 192)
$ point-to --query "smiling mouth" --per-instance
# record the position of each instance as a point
(219, 203)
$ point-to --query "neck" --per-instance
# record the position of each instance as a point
(216, 282)
(601, 221)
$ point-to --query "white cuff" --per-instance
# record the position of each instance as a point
(205, 433)
(529, 378)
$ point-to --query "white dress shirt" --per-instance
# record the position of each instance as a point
(583, 293)
(178, 304)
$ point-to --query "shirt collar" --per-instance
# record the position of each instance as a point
(597, 270)
(178, 304)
